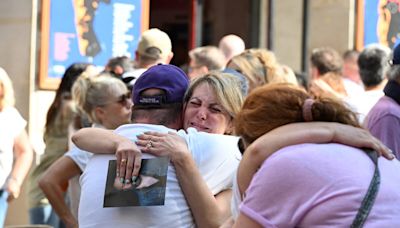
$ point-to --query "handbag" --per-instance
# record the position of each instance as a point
(371, 194)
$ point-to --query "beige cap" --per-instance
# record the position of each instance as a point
(154, 38)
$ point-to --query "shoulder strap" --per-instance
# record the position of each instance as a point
(372, 192)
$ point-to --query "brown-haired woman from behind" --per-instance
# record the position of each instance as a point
(309, 184)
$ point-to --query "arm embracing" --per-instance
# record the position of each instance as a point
(297, 133)
(208, 210)
(54, 183)
(103, 141)
(97, 140)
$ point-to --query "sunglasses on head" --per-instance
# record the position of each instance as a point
(122, 99)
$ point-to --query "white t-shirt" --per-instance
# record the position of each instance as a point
(216, 156)
(363, 102)
(12, 124)
(236, 198)
(352, 88)
(81, 158)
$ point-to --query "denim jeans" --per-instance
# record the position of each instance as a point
(3, 207)
(44, 215)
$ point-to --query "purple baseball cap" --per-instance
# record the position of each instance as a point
(169, 78)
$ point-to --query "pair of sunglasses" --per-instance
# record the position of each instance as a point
(123, 98)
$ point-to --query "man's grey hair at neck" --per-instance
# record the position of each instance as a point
(169, 115)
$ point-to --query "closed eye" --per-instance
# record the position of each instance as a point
(195, 103)
(215, 109)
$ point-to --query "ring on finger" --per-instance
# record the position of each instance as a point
(123, 160)
(149, 144)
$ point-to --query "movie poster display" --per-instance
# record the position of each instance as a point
(378, 21)
(87, 31)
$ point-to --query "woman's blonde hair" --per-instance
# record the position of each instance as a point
(225, 87)
(91, 92)
(8, 98)
(260, 66)
(272, 106)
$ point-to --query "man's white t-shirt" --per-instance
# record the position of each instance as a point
(81, 158)
(363, 103)
(216, 156)
(352, 88)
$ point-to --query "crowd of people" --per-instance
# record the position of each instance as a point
(249, 142)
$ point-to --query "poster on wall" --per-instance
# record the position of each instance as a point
(89, 31)
(378, 22)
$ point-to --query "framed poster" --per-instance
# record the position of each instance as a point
(87, 31)
(378, 21)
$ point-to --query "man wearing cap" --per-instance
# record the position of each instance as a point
(383, 121)
(154, 47)
(158, 96)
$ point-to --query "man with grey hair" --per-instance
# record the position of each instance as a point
(383, 121)
(205, 59)
(373, 65)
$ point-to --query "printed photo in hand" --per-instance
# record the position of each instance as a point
(147, 190)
